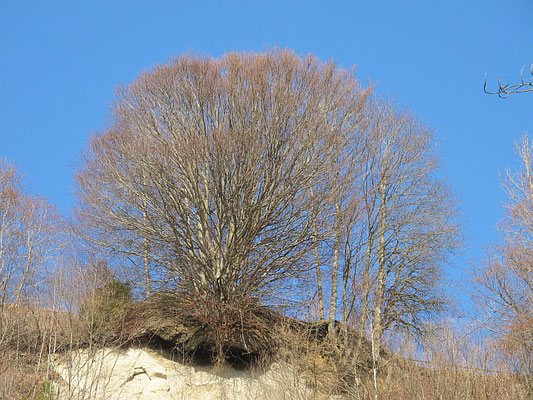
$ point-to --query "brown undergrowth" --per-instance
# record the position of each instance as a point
(206, 329)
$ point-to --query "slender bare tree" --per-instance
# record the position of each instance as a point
(209, 165)
(345, 201)
(403, 227)
(506, 277)
(10, 238)
(29, 227)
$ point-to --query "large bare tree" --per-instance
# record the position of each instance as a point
(211, 169)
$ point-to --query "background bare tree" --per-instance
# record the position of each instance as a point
(404, 228)
(29, 227)
(506, 277)
(209, 165)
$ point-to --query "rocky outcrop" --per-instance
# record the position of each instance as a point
(143, 374)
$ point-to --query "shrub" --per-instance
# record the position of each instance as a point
(46, 391)
(103, 311)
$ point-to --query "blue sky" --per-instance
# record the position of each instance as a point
(60, 62)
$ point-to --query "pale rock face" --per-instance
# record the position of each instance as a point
(143, 374)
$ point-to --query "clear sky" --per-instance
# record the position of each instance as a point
(60, 62)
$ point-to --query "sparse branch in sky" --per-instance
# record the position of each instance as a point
(506, 89)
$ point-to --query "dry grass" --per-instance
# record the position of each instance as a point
(444, 368)
(29, 338)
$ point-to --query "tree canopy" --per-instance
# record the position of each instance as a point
(207, 167)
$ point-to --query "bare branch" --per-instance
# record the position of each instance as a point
(506, 89)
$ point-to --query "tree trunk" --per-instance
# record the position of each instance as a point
(366, 292)
(377, 323)
(335, 267)
(320, 294)
(321, 313)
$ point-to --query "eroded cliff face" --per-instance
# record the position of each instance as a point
(141, 373)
